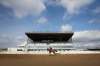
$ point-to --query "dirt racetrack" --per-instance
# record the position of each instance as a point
(47, 60)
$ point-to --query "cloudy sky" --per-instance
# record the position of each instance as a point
(20, 16)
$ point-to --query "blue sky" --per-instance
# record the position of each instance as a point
(20, 16)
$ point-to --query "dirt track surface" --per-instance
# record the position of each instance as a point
(47, 60)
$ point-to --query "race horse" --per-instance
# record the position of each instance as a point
(51, 50)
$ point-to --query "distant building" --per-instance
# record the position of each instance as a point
(41, 41)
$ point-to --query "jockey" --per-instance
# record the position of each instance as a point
(51, 50)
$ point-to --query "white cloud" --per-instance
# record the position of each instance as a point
(91, 21)
(71, 6)
(96, 10)
(87, 36)
(95, 20)
(24, 7)
(11, 41)
(87, 39)
(74, 6)
(42, 20)
(66, 28)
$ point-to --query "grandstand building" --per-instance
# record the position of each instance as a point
(41, 41)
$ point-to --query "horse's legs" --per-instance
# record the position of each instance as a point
(49, 52)
(54, 52)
